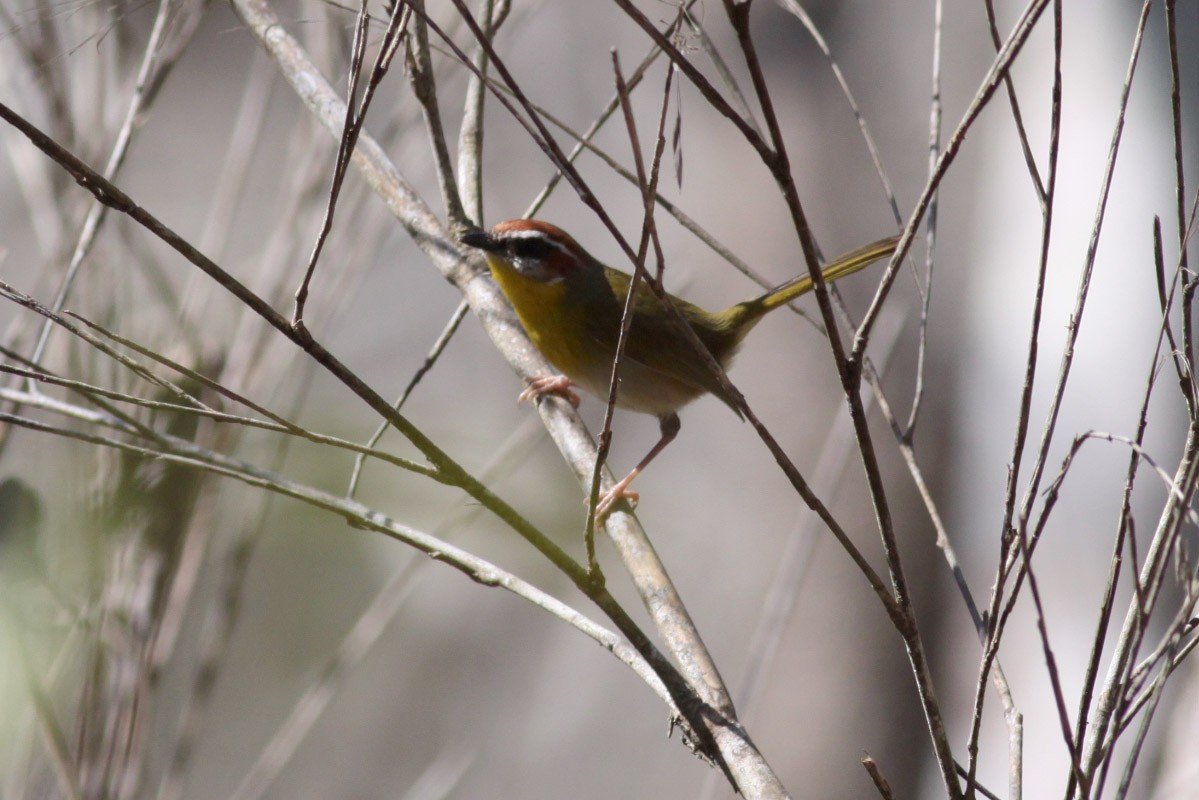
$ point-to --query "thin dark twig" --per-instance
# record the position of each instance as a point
(583, 141)
(424, 86)
(626, 322)
(1055, 680)
(353, 127)
(470, 133)
(344, 146)
(934, 147)
(447, 333)
(1124, 532)
(774, 156)
(739, 102)
(903, 436)
(876, 777)
(1188, 345)
(983, 790)
(185, 398)
(1139, 451)
(1023, 417)
(191, 374)
(649, 186)
(709, 92)
(867, 137)
(999, 68)
(1076, 316)
(1017, 117)
(1166, 301)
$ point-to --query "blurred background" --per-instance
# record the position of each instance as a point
(268, 649)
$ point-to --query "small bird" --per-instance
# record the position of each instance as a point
(571, 306)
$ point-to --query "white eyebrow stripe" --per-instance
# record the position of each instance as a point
(536, 234)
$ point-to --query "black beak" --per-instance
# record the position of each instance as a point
(479, 239)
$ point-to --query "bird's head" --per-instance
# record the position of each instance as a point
(536, 250)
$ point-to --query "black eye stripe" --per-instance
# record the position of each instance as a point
(536, 249)
(533, 245)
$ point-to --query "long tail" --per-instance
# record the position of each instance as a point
(837, 268)
(735, 322)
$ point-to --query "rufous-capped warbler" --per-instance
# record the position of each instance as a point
(571, 305)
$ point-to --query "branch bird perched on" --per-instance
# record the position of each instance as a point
(571, 306)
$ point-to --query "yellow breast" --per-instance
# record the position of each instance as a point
(555, 323)
(547, 319)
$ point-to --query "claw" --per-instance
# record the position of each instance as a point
(610, 498)
(621, 491)
(552, 384)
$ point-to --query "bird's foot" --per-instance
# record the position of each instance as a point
(551, 384)
(609, 499)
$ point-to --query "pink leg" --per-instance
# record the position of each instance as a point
(551, 384)
(670, 428)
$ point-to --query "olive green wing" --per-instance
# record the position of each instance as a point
(656, 343)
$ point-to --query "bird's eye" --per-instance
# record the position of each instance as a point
(533, 249)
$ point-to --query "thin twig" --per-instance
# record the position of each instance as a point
(584, 140)
(1048, 196)
(1188, 345)
(1123, 532)
(648, 185)
(352, 128)
(470, 133)
(438, 348)
(1017, 116)
(934, 147)
(876, 777)
(774, 156)
(151, 64)
(424, 86)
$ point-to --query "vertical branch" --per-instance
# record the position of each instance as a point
(934, 148)
(1055, 681)
(1123, 528)
(648, 186)
(1075, 324)
(1020, 439)
(1188, 346)
(425, 87)
(351, 129)
(583, 141)
(850, 372)
(470, 135)
(344, 146)
(990, 84)
(1017, 116)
